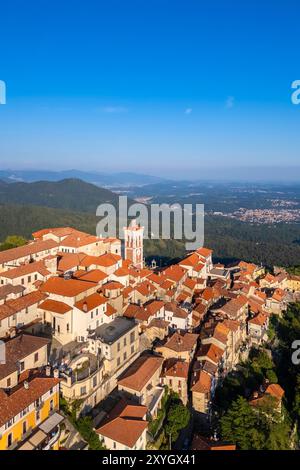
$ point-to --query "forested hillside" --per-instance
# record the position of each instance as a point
(230, 239)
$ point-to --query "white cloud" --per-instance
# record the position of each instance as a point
(188, 111)
(114, 109)
(230, 102)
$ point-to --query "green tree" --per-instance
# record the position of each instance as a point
(178, 418)
(240, 425)
(12, 241)
(256, 427)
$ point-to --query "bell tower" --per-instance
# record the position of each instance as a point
(134, 244)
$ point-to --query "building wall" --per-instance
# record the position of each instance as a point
(114, 445)
(29, 363)
(118, 353)
(23, 317)
(178, 385)
(200, 402)
(30, 418)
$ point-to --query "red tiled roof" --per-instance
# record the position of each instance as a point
(66, 287)
(16, 305)
(20, 398)
(89, 303)
(26, 250)
(55, 306)
(140, 372)
(202, 384)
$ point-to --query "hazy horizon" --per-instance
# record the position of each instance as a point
(255, 174)
(163, 88)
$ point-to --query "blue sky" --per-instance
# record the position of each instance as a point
(162, 87)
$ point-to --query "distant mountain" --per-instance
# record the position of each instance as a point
(69, 194)
(99, 179)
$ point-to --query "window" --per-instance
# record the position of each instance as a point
(125, 356)
(9, 439)
(36, 357)
(35, 277)
(132, 349)
(132, 337)
(9, 423)
(22, 366)
(51, 405)
(118, 347)
(125, 342)
(96, 312)
(29, 278)
(118, 361)
(8, 382)
(24, 427)
(95, 381)
(114, 445)
(68, 327)
(92, 315)
(83, 390)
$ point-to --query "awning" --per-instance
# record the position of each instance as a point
(37, 438)
(50, 423)
(26, 446)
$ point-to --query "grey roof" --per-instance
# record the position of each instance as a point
(111, 332)
(49, 424)
(8, 289)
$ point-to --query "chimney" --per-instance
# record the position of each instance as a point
(56, 373)
(48, 371)
(26, 385)
(85, 306)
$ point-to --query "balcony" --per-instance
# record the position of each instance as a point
(153, 400)
(89, 365)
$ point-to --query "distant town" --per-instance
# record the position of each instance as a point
(101, 351)
(264, 216)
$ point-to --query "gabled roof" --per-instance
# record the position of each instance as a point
(175, 368)
(16, 305)
(181, 342)
(17, 349)
(140, 372)
(66, 287)
(55, 306)
(211, 351)
(177, 311)
(204, 252)
(95, 275)
(275, 390)
(125, 430)
(26, 250)
(19, 398)
(202, 384)
(90, 302)
(26, 269)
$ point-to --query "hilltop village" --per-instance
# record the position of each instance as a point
(88, 329)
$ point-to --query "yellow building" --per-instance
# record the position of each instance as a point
(293, 283)
(28, 415)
